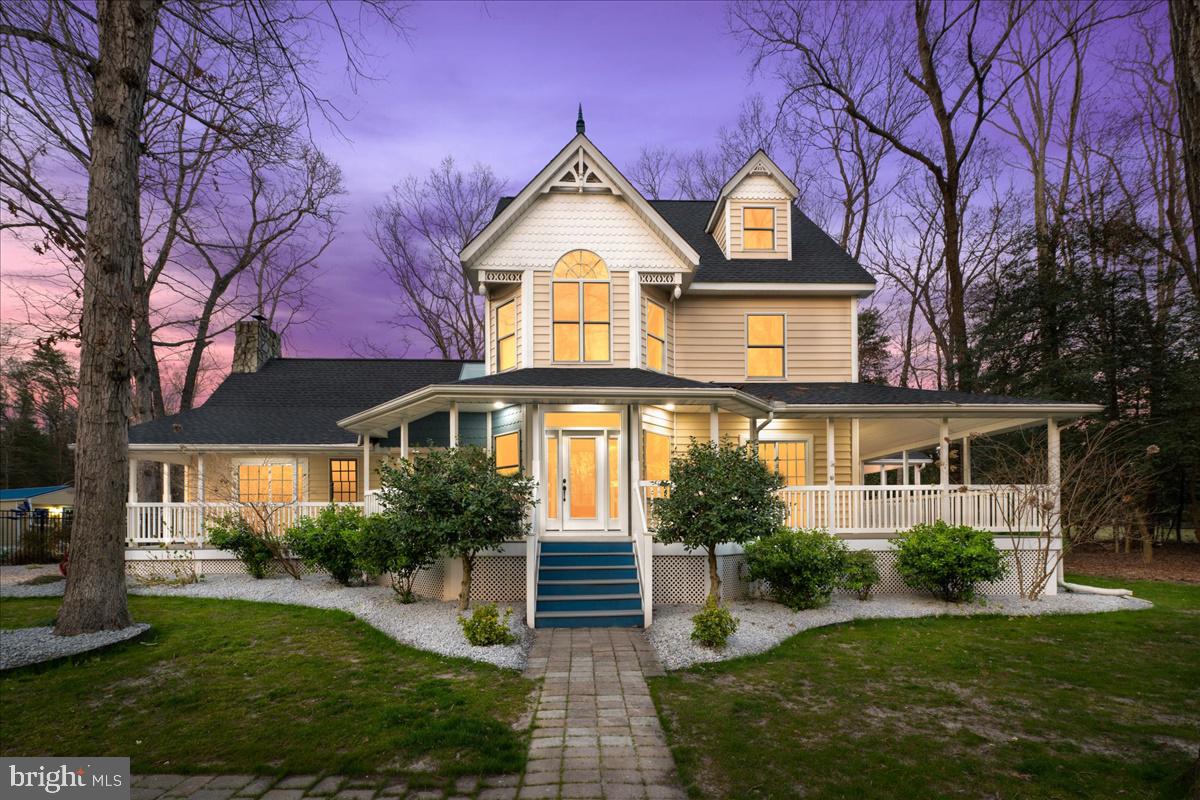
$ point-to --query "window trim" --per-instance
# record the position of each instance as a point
(236, 464)
(775, 438)
(781, 346)
(661, 340)
(774, 229)
(356, 493)
(510, 302)
(582, 321)
(500, 466)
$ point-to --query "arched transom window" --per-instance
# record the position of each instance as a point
(582, 324)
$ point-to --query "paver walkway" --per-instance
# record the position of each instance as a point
(595, 731)
(595, 737)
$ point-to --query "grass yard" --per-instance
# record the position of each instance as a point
(1104, 705)
(239, 687)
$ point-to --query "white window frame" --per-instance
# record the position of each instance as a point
(746, 344)
(496, 327)
(774, 229)
(270, 461)
(806, 438)
(650, 335)
(581, 322)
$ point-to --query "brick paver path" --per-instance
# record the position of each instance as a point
(595, 735)
(595, 732)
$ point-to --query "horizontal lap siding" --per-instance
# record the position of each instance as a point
(710, 335)
(219, 481)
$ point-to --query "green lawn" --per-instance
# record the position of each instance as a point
(1103, 705)
(228, 686)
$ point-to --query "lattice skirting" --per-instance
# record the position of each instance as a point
(680, 579)
(174, 568)
(498, 579)
(430, 582)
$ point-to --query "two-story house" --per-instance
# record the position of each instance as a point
(618, 330)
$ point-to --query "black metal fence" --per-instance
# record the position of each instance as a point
(33, 537)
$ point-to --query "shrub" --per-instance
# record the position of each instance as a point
(484, 627)
(459, 498)
(713, 626)
(325, 541)
(234, 533)
(801, 567)
(720, 492)
(948, 561)
(861, 573)
(388, 544)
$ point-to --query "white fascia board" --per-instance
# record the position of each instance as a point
(724, 287)
(1016, 411)
(208, 448)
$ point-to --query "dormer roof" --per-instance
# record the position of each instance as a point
(758, 164)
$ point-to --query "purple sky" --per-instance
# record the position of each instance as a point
(498, 83)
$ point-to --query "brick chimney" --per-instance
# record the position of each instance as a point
(254, 344)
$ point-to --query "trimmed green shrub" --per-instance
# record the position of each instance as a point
(719, 493)
(861, 573)
(713, 626)
(484, 628)
(459, 498)
(948, 560)
(234, 533)
(388, 544)
(326, 541)
(800, 567)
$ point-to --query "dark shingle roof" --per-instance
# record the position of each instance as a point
(816, 258)
(582, 377)
(868, 394)
(295, 401)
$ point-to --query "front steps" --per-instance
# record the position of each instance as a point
(588, 584)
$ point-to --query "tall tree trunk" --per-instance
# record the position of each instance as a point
(464, 594)
(1185, 47)
(714, 576)
(95, 595)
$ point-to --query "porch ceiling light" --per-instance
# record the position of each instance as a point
(669, 406)
(498, 404)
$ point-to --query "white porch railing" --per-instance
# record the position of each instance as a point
(885, 510)
(184, 523)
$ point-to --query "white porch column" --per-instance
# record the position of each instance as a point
(133, 482)
(454, 424)
(642, 540)
(830, 477)
(944, 464)
(367, 462)
(966, 460)
(488, 435)
(1054, 475)
(200, 478)
(537, 442)
(883, 475)
(166, 481)
(904, 467)
(404, 439)
(753, 436)
(916, 472)
(167, 516)
(714, 424)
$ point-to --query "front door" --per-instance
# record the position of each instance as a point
(583, 476)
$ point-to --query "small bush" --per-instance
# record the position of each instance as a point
(713, 626)
(234, 533)
(396, 546)
(861, 574)
(948, 560)
(801, 567)
(484, 627)
(326, 541)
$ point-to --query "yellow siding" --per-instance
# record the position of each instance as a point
(687, 427)
(496, 299)
(220, 483)
(710, 336)
(619, 322)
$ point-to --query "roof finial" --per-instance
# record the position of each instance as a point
(579, 126)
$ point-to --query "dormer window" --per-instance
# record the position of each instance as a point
(580, 293)
(758, 228)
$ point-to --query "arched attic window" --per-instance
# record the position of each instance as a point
(581, 312)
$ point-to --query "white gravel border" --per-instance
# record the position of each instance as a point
(425, 624)
(20, 647)
(765, 624)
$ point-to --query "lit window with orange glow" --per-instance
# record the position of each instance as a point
(581, 308)
(507, 450)
(657, 462)
(758, 228)
(506, 336)
(764, 345)
(656, 336)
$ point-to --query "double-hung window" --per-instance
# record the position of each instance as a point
(758, 228)
(581, 308)
(506, 448)
(506, 336)
(765, 345)
(656, 336)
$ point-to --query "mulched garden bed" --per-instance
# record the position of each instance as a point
(1172, 562)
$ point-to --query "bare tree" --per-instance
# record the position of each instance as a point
(419, 230)
(652, 172)
(1185, 44)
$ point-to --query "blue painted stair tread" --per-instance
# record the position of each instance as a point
(588, 584)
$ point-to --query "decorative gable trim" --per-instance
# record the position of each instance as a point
(579, 167)
(758, 164)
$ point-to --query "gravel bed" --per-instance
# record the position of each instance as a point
(20, 647)
(12, 575)
(765, 624)
(37, 590)
(426, 624)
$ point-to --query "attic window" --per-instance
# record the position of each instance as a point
(758, 228)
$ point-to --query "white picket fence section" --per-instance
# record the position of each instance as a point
(888, 509)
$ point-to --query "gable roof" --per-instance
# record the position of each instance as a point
(759, 162)
(507, 214)
(296, 401)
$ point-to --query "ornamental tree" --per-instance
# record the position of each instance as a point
(720, 492)
(457, 497)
